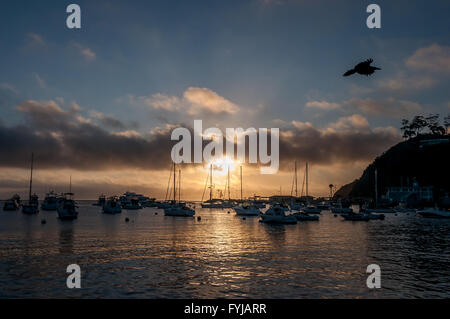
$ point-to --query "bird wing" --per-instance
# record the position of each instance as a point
(349, 72)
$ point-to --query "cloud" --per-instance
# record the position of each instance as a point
(9, 87)
(385, 107)
(195, 101)
(40, 81)
(34, 39)
(323, 105)
(63, 138)
(85, 52)
(206, 100)
(434, 58)
(349, 140)
(403, 82)
(354, 122)
(107, 120)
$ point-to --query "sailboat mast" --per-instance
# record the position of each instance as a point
(210, 182)
(179, 185)
(296, 189)
(229, 197)
(174, 183)
(306, 180)
(70, 184)
(241, 182)
(31, 176)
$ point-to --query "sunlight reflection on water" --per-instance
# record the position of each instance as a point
(221, 256)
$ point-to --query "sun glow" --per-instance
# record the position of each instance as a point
(222, 165)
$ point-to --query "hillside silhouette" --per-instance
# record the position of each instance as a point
(423, 158)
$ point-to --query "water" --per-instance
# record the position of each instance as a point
(221, 256)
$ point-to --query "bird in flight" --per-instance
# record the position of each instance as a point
(363, 68)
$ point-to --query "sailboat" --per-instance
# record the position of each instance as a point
(246, 208)
(378, 209)
(215, 202)
(178, 208)
(32, 207)
(67, 208)
(302, 214)
(309, 209)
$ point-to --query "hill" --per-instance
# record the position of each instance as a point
(425, 159)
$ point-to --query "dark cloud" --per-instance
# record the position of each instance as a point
(64, 139)
(330, 146)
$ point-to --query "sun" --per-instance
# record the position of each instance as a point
(223, 165)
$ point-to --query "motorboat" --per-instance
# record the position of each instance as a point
(179, 209)
(310, 209)
(50, 202)
(356, 217)
(277, 215)
(341, 210)
(247, 209)
(11, 204)
(67, 209)
(434, 213)
(131, 204)
(112, 206)
(100, 201)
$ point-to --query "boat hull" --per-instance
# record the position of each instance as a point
(275, 219)
(179, 212)
(30, 209)
(241, 211)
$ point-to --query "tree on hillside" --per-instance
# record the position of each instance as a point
(420, 124)
(447, 122)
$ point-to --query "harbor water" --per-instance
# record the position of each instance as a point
(221, 256)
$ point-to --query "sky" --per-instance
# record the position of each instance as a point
(99, 103)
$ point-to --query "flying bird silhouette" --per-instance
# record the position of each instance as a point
(363, 68)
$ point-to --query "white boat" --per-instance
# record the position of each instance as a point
(112, 206)
(247, 209)
(277, 215)
(67, 208)
(32, 207)
(434, 213)
(50, 202)
(178, 209)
